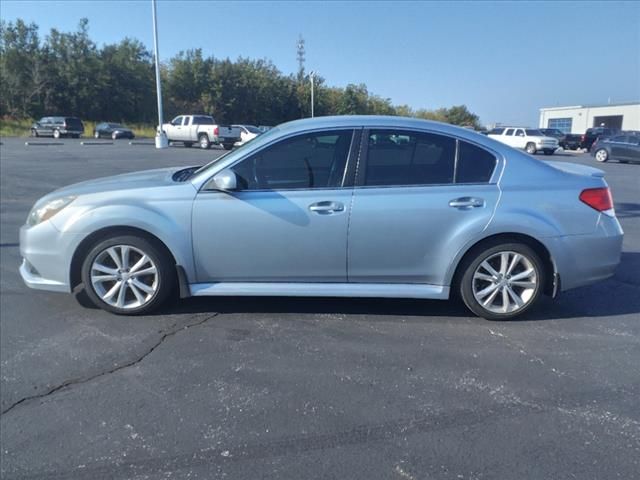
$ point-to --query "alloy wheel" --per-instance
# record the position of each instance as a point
(505, 282)
(601, 155)
(124, 277)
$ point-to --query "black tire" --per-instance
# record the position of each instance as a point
(96, 134)
(34, 132)
(56, 134)
(114, 136)
(548, 152)
(530, 148)
(227, 146)
(477, 256)
(601, 155)
(165, 280)
(188, 144)
(203, 141)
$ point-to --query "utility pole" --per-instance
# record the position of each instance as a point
(161, 137)
(311, 76)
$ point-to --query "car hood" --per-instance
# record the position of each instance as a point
(146, 179)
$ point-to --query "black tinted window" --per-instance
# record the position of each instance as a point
(509, 131)
(315, 160)
(409, 158)
(496, 131)
(202, 120)
(475, 164)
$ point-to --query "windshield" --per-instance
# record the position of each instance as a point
(264, 138)
(253, 129)
(114, 125)
(531, 132)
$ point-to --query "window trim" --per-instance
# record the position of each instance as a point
(364, 152)
(348, 176)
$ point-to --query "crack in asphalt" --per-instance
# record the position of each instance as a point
(171, 331)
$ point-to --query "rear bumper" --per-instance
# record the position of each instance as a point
(586, 259)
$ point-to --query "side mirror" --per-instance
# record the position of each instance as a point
(225, 180)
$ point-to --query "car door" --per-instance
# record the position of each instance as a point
(44, 127)
(174, 128)
(618, 147)
(185, 130)
(519, 139)
(419, 198)
(634, 148)
(287, 220)
(508, 136)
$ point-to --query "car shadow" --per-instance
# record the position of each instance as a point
(591, 301)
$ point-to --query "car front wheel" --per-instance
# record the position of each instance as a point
(531, 148)
(502, 281)
(56, 134)
(602, 155)
(128, 275)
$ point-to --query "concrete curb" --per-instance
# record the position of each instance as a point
(31, 144)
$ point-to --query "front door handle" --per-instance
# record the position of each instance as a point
(466, 203)
(326, 208)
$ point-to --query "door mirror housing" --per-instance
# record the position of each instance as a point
(225, 181)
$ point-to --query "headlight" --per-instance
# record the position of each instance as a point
(45, 212)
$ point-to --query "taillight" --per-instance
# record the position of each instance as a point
(599, 199)
(216, 131)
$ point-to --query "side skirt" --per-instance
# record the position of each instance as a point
(379, 290)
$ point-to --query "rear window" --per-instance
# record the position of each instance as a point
(73, 122)
(475, 164)
(203, 120)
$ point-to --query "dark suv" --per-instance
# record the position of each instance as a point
(592, 133)
(57, 127)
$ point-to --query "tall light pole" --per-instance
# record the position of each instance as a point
(161, 137)
(311, 75)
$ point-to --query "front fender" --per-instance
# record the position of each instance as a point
(171, 225)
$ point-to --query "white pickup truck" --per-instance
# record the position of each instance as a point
(530, 139)
(200, 129)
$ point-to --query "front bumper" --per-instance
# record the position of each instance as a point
(46, 254)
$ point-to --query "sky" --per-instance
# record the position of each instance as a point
(504, 60)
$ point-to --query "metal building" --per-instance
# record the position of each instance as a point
(576, 119)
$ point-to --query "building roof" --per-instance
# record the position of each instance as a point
(593, 105)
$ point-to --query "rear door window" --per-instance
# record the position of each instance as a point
(409, 158)
(509, 131)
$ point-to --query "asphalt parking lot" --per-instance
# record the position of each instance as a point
(310, 388)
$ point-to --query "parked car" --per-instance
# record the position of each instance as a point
(531, 140)
(202, 129)
(112, 130)
(57, 127)
(247, 132)
(427, 210)
(624, 148)
(554, 133)
(571, 141)
(592, 134)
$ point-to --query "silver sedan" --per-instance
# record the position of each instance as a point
(335, 206)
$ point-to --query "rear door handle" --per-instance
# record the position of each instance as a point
(466, 203)
(326, 207)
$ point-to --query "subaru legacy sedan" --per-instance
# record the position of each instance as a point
(353, 206)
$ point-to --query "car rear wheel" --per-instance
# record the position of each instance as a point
(531, 148)
(34, 132)
(602, 155)
(502, 281)
(96, 134)
(128, 275)
(204, 142)
(227, 146)
(56, 134)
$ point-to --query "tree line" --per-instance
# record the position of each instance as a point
(67, 73)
